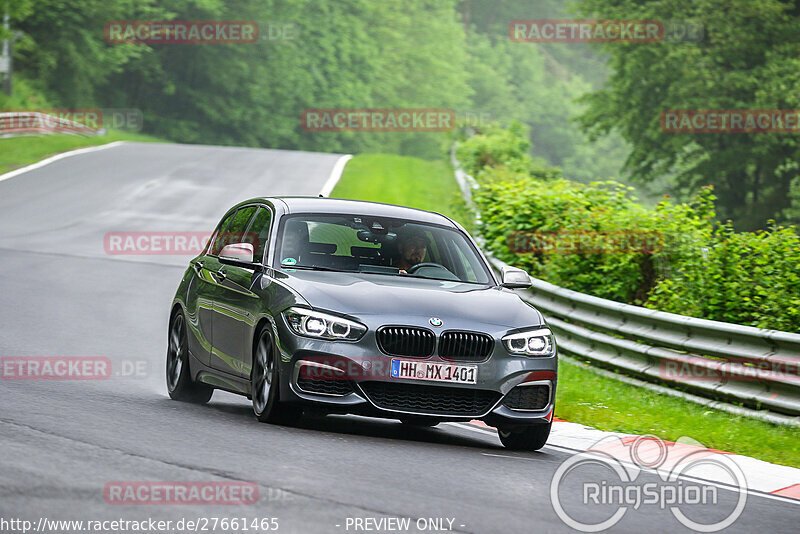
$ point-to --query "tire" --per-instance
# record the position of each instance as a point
(180, 385)
(420, 422)
(265, 384)
(531, 438)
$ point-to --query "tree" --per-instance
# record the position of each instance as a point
(748, 59)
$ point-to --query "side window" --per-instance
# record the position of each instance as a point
(258, 233)
(235, 230)
(216, 239)
(240, 224)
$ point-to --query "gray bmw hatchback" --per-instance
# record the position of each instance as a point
(364, 308)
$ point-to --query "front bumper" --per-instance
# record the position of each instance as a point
(354, 377)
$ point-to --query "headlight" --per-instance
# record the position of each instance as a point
(539, 342)
(311, 323)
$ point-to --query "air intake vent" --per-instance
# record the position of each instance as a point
(465, 346)
(324, 385)
(406, 341)
(528, 398)
(430, 400)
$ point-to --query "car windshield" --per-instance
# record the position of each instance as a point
(385, 246)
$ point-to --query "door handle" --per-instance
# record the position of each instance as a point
(222, 275)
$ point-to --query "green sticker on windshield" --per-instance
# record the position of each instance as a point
(289, 261)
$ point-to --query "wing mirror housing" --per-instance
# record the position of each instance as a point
(514, 278)
(239, 255)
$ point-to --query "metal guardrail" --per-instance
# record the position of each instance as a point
(757, 368)
(34, 122)
(753, 367)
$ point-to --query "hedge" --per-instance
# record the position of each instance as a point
(599, 239)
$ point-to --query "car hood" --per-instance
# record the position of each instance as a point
(459, 305)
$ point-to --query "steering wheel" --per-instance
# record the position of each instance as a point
(439, 271)
(413, 269)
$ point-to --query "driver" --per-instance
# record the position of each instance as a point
(412, 246)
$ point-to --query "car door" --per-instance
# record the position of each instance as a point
(202, 294)
(235, 305)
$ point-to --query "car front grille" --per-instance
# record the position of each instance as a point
(465, 346)
(324, 385)
(406, 341)
(530, 398)
(432, 400)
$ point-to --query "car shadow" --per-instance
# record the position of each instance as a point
(369, 427)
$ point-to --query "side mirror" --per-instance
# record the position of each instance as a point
(238, 254)
(514, 278)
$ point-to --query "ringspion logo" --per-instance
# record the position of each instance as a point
(181, 32)
(377, 120)
(609, 485)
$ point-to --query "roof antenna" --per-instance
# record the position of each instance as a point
(321, 195)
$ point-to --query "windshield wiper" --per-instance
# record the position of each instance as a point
(315, 268)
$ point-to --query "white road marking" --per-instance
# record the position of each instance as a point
(487, 432)
(336, 174)
(57, 157)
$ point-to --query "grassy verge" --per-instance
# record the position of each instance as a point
(16, 152)
(586, 397)
(583, 396)
(404, 180)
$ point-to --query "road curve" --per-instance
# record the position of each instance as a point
(63, 441)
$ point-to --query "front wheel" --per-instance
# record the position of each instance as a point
(531, 438)
(264, 384)
(179, 381)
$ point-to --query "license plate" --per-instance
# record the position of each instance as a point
(437, 372)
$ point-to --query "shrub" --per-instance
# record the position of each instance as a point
(597, 238)
(750, 278)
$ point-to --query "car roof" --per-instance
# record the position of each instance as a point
(321, 205)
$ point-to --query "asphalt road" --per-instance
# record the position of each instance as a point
(63, 441)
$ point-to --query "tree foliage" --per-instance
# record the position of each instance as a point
(749, 58)
(343, 54)
(597, 238)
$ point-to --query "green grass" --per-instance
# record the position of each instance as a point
(583, 396)
(16, 152)
(408, 181)
(586, 397)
